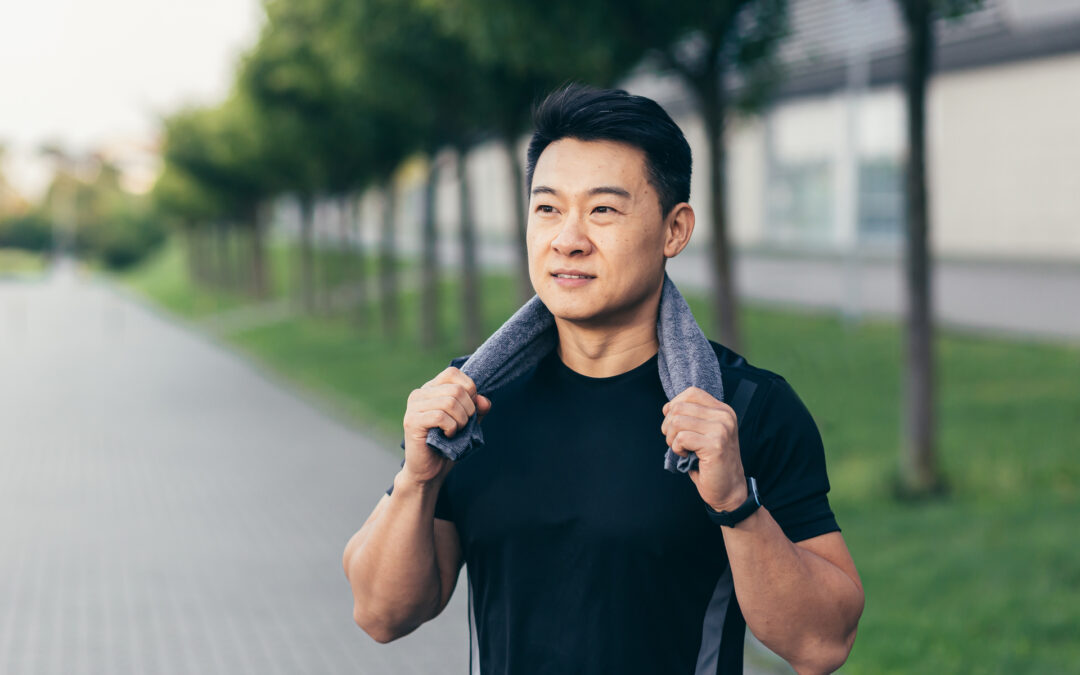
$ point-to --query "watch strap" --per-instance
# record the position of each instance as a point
(733, 517)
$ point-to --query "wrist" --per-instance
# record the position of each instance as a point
(729, 517)
(734, 500)
(408, 481)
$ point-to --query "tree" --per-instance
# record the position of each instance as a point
(721, 39)
(284, 76)
(224, 151)
(409, 62)
(920, 473)
(705, 44)
(520, 52)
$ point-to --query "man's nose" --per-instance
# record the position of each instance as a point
(572, 237)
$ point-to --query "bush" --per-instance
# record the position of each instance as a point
(123, 239)
(30, 231)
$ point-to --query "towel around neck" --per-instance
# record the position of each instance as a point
(685, 359)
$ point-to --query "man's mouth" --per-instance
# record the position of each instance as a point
(572, 274)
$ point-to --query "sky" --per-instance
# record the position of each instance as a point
(85, 73)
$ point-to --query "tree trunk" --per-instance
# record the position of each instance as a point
(307, 277)
(208, 240)
(517, 177)
(388, 264)
(321, 257)
(919, 468)
(429, 270)
(359, 264)
(259, 286)
(191, 244)
(223, 274)
(203, 234)
(725, 301)
(470, 274)
(241, 260)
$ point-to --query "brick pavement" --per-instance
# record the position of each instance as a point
(164, 508)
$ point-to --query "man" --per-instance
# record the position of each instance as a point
(583, 554)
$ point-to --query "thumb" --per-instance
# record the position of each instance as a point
(483, 405)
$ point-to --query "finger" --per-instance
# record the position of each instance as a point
(698, 395)
(441, 419)
(457, 392)
(448, 404)
(688, 394)
(704, 412)
(483, 405)
(679, 423)
(687, 441)
(695, 403)
(454, 376)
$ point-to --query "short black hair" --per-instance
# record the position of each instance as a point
(590, 114)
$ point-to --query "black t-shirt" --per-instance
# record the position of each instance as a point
(584, 555)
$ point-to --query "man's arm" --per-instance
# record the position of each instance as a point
(403, 563)
(804, 600)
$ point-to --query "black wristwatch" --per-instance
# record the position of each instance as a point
(731, 518)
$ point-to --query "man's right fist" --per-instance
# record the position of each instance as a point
(446, 402)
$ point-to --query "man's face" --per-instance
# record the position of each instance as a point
(593, 212)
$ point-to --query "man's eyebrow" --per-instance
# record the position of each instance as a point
(601, 190)
(609, 190)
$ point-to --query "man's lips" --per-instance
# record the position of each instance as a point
(571, 278)
(572, 274)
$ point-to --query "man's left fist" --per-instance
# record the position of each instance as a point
(696, 422)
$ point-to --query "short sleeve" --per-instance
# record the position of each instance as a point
(788, 462)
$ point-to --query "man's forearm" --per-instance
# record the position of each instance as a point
(392, 568)
(800, 605)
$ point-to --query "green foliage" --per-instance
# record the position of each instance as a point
(215, 164)
(123, 239)
(30, 231)
(96, 215)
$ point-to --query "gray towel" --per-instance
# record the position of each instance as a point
(686, 359)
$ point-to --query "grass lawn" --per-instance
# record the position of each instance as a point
(18, 263)
(986, 580)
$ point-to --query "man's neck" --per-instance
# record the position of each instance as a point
(609, 350)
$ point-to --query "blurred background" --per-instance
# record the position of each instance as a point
(234, 236)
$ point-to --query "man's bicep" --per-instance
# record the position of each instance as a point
(448, 557)
(832, 547)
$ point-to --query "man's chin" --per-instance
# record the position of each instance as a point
(584, 316)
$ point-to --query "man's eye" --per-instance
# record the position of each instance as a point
(603, 209)
(545, 208)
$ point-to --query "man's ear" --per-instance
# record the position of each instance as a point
(678, 226)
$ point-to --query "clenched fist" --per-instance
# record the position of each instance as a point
(696, 422)
(446, 402)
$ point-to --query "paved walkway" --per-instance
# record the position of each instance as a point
(164, 508)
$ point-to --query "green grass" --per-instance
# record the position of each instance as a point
(984, 581)
(18, 263)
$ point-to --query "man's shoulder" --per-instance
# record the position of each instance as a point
(763, 392)
(734, 368)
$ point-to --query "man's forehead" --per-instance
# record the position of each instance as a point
(574, 164)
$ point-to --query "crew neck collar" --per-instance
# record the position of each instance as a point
(564, 371)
